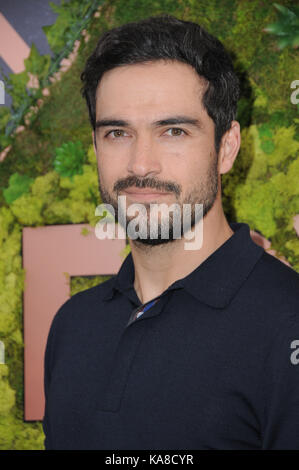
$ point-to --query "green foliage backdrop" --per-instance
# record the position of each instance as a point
(50, 175)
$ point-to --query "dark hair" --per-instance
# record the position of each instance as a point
(168, 38)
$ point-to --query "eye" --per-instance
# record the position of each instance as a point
(175, 132)
(115, 133)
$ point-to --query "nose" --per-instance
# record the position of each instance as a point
(144, 160)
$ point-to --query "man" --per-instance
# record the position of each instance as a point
(183, 348)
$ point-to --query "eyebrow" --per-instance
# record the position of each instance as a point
(175, 120)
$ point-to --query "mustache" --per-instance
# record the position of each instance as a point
(167, 186)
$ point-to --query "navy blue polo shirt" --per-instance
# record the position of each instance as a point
(213, 364)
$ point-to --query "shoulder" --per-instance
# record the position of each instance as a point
(270, 295)
(278, 268)
(276, 278)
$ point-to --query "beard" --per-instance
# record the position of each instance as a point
(202, 192)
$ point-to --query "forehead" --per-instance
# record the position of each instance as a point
(150, 89)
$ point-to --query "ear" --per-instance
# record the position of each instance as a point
(230, 145)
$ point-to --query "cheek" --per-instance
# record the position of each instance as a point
(185, 165)
(200, 161)
(110, 169)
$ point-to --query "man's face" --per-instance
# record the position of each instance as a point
(154, 140)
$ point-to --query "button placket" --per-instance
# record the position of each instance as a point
(124, 356)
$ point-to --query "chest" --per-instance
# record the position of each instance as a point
(160, 382)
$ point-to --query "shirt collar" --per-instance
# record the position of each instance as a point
(216, 280)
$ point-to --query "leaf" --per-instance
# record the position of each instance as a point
(37, 64)
(18, 185)
(5, 115)
(275, 28)
(69, 13)
(17, 87)
(282, 43)
(286, 27)
(46, 28)
(69, 159)
(288, 14)
(295, 41)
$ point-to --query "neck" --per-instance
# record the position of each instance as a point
(157, 267)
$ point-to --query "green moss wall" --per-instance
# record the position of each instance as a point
(261, 190)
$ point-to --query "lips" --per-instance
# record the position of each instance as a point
(144, 194)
